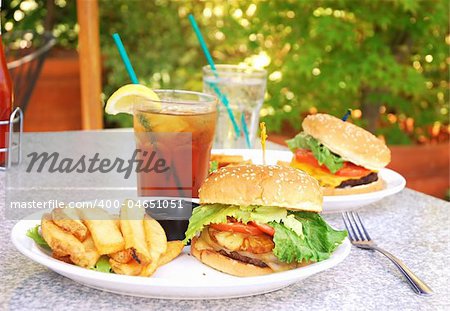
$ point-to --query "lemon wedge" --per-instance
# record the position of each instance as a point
(123, 100)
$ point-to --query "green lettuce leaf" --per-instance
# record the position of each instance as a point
(34, 234)
(298, 235)
(213, 166)
(292, 223)
(317, 243)
(323, 155)
(320, 231)
(218, 213)
(103, 265)
(266, 214)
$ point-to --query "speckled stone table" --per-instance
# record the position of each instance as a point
(413, 226)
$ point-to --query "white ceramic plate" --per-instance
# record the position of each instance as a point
(331, 204)
(183, 278)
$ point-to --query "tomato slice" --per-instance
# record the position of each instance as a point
(264, 228)
(348, 169)
(352, 170)
(237, 227)
(307, 157)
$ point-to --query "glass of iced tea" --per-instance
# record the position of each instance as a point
(178, 131)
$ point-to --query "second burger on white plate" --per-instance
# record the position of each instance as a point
(343, 157)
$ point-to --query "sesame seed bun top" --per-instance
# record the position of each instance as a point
(351, 142)
(266, 185)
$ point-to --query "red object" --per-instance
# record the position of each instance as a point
(264, 228)
(348, 170)
(6, 100)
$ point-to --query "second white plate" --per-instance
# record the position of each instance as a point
(331, 204)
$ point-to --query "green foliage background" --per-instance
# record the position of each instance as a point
(324, 55)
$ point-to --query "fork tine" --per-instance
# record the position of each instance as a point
(364, 228)
(352, 226)
(346, 227)
(347, 224)
(358, 225)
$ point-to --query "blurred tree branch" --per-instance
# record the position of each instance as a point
(388, 56)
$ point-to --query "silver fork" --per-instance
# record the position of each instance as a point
(360, 238)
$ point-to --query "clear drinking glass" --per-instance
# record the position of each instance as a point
(244, 87)
(179, 128)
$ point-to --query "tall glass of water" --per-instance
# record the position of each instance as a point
(244, 89)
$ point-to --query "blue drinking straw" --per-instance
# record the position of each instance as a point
(346, 115)
(245, 129)
(221, 96)
(202, 42)
(125, 59)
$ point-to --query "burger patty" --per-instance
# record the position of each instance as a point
(237, 256)
(358, 182)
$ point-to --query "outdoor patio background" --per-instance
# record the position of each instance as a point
(386, 60)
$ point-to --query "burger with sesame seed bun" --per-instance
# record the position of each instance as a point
(255, 220)
(343, 157)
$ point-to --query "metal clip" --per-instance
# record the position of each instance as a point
(15, 117)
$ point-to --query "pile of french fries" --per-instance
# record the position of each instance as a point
(135, 243)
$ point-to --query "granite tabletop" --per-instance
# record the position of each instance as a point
(411, 225)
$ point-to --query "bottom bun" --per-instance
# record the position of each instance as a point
(226, 264)
(374, 186)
